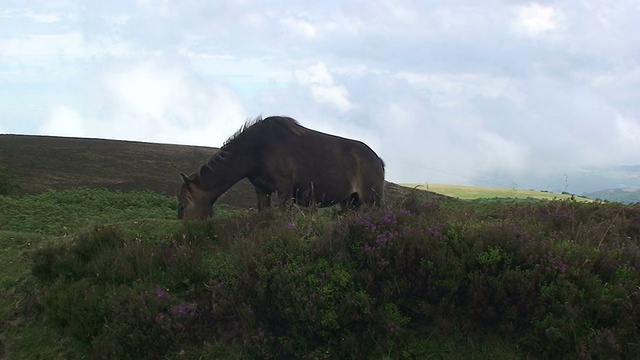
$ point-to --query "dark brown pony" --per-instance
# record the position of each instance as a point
(280, 156)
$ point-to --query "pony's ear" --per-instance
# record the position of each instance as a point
(185, 178)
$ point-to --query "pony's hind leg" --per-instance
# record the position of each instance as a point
(372, 196)
(351, 202)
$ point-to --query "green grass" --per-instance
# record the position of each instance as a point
(62, 212)
(416, 279)
(478, 192)
(32, 222)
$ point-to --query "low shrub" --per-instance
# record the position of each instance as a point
(120, 296)
(550, 280)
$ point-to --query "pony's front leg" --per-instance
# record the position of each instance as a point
(263, 198)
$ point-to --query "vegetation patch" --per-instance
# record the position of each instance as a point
(63, 212)
(419, 279)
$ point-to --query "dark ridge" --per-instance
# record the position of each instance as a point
(40, 163)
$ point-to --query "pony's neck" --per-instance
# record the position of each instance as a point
(221, 172)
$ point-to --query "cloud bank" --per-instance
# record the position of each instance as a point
(491, 93)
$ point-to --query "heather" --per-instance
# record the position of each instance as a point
(414, 279)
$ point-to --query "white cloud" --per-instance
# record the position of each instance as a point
(61, 50)
(42, 48)
(63, 121)
(454, 88)
(29, 15)
(535, 19)
(336, 96)
(151, 102)
(497, 153)
(147, 90)
(629, 135)
(167, 103)
(320, 82)
(399, 11)
(299, 27)
(450, 89)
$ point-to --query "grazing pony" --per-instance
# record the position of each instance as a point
(280, 156)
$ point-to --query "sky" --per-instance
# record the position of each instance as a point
(496, 93)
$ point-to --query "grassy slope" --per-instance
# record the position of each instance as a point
(45, 162)
(478, 192)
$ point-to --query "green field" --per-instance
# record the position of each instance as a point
(478, 192)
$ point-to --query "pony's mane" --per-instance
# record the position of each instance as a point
(222, 153)
(291, 123)
(247, 124)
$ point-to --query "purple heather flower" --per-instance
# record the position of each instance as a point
(182, 309)
(161, 293)
(368, 248)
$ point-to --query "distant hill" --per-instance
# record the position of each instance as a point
(623, 196)
(47, 162)
(621, 177)
(481, 192)
(582, 180)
